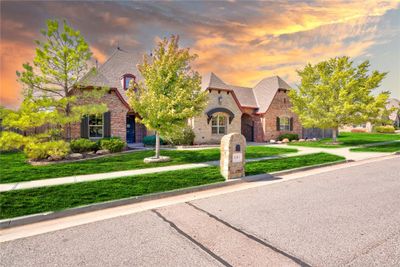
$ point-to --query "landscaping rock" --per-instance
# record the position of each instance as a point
(91, 153)
(75, 156)
(279, 142)
(285, 140)
(160, 159)
(294, 141)
(54, 158)
(302, 140)
(103, 152)
(272, 141)
(314, 139)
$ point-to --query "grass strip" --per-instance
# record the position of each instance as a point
(30, 201)
(350, 139)
(393, 147)
(14, 167)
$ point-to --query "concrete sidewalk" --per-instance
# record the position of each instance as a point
(344, 152)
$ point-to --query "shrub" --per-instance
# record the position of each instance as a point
(186, 137)
(83, 145)
(384, 129)
(288, 136)
(11, 141)
(54, 149)
(114, 144)
(150, 140)
(358, 130)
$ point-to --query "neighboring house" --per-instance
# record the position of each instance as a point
(394, 116)
(368, 127)
(260, 113)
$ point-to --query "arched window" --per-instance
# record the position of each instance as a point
(126, 79)
(219, 124)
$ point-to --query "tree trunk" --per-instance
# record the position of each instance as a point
(68, 130)
(157, 145)
(334, 134)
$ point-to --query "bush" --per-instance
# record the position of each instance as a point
(54, 149)
(358, 130)
(150, 140)
(384, 129)
(186, 137)
(288, 136)
(83, 145)
(11, 141)
(114, 144)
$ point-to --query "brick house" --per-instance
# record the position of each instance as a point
(260, 113)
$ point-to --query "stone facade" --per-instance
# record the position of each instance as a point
(202, 127)
(280, 107)
(233, 158)
(255, 127)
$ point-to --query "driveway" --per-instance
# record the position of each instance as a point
(344, 217)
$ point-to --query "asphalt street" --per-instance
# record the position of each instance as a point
(345, 217)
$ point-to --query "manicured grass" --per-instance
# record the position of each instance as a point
(274, 165)
(55, 198)
(15, 169)
(393, 147)
(350, 139)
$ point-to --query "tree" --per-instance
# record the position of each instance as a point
(170, 92)
(58, 67)
(334, 93)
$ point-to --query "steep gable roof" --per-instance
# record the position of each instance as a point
(266, 89)
(260, 96)
(110, 72)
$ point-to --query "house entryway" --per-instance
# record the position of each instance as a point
(130, 129)
(247, 125)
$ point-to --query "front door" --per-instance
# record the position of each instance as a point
(130, 129)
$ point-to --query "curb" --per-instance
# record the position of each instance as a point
(45, 216)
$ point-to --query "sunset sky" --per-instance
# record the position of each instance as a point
(242, 42)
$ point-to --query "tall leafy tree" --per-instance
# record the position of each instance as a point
(60, 63)
(337, 92)
(170, 92)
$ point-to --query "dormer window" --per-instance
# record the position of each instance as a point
(126, 79)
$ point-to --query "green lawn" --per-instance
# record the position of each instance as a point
(15, 169)
(394, 147)
(351, 139)
(55, 198)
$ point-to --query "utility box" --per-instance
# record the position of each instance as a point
(233, 149)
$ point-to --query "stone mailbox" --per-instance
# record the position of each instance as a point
(233, 148)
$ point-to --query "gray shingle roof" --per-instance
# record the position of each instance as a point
(260, 96)
(121, 62)
(110, 72)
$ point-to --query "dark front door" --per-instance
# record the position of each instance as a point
(130, 129)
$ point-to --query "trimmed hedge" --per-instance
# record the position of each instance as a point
(384, 129)
(114, 144)
(83, 145)
(150, 140)
(54, 149)
(288, 136)
(186, 137)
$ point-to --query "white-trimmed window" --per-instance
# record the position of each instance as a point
(96, 126)
(284, 124)
(218, 124)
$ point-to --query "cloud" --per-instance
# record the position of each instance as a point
(242, 42)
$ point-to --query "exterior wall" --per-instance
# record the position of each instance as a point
(280, 106)
(202, 128)
(118, 116)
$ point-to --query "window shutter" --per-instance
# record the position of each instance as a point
(291, 124)
(107, 124)
(85, 127)
(278, 124)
